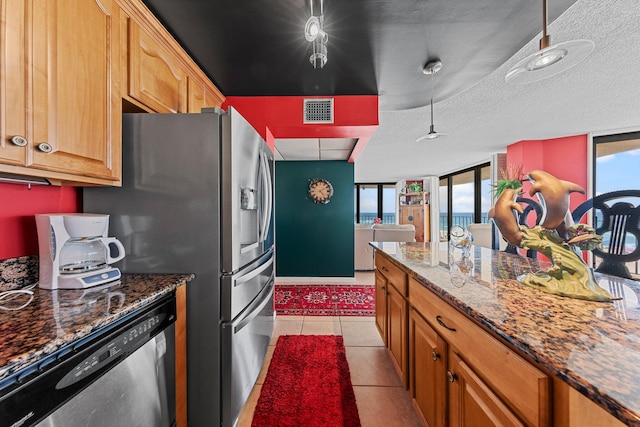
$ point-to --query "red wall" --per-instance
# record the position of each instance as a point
(18, 236)
(354, 117)
(565, 158)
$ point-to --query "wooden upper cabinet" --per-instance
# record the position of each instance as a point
(195, 96)
(156, 77)
(200, 96)
(62, 99)
(75, 56)
(13, 80)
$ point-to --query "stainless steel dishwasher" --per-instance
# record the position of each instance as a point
(121, 375)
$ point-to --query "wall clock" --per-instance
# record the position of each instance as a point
(320, 190)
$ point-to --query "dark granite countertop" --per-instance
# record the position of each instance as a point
(54, 319)
(592, 346)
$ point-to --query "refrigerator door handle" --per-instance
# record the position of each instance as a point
(267, 197)
(253, 310)
(255, 272)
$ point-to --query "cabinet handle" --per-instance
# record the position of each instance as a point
(435, 355)
(451, 376)
(444, 325)
(385, 269)
(45, 148)
(20, 141)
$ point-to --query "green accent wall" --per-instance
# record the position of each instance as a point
(312, 239)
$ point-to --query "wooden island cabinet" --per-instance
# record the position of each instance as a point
(485, 380)
(427, 370)
(459, 374)
(394, 311)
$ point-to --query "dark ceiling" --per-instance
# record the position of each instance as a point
(375, 47)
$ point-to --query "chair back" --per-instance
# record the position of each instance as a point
(616, 219)
(530, 207)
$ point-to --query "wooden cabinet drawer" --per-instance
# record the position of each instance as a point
(513, 379)
(394, 274)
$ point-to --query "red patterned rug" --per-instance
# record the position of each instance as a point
(325, 300)
(308, 384)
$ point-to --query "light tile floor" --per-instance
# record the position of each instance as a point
(381, 398)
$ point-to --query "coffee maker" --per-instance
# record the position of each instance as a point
(75, 252)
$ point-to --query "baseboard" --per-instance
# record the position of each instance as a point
(303, 280)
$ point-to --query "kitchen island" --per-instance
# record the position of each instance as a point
(590, 349)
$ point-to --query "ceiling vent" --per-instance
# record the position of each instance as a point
(318, 110)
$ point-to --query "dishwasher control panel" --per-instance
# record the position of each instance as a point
(124, 344)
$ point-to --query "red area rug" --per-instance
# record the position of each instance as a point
(325, 300)
(307, 385)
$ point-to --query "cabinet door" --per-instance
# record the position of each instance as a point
(381, 306)
(472, 402)
(427, 370)
(413, 214)
(195, 96)
(212, 96)
(201, 96)
(76, 114)
(397, 312)
(13, 80)
(156, 78)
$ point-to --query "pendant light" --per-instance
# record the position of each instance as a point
(315, 34)
(431, 68)
(549, 60)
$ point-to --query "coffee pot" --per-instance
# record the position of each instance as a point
(75, 251)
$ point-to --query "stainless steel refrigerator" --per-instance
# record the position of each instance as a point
(197, 197)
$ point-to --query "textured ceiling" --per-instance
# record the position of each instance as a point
(600, 95)
(379, 47)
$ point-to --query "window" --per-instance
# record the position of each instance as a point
(375, 201)
(465, 198)
(462, 198)
(616, 168)
(616, 162)
(444, 208)
(388, 204)
(367, 203)
(486, 194)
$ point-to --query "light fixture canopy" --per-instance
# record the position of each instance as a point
(549, 60)
(431, 68)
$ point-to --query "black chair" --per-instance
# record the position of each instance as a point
(528, 206)
(616, 219)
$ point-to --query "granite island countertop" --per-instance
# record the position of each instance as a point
(592, 346)
(55, 319)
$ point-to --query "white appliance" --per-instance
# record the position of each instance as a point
(75, 252)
